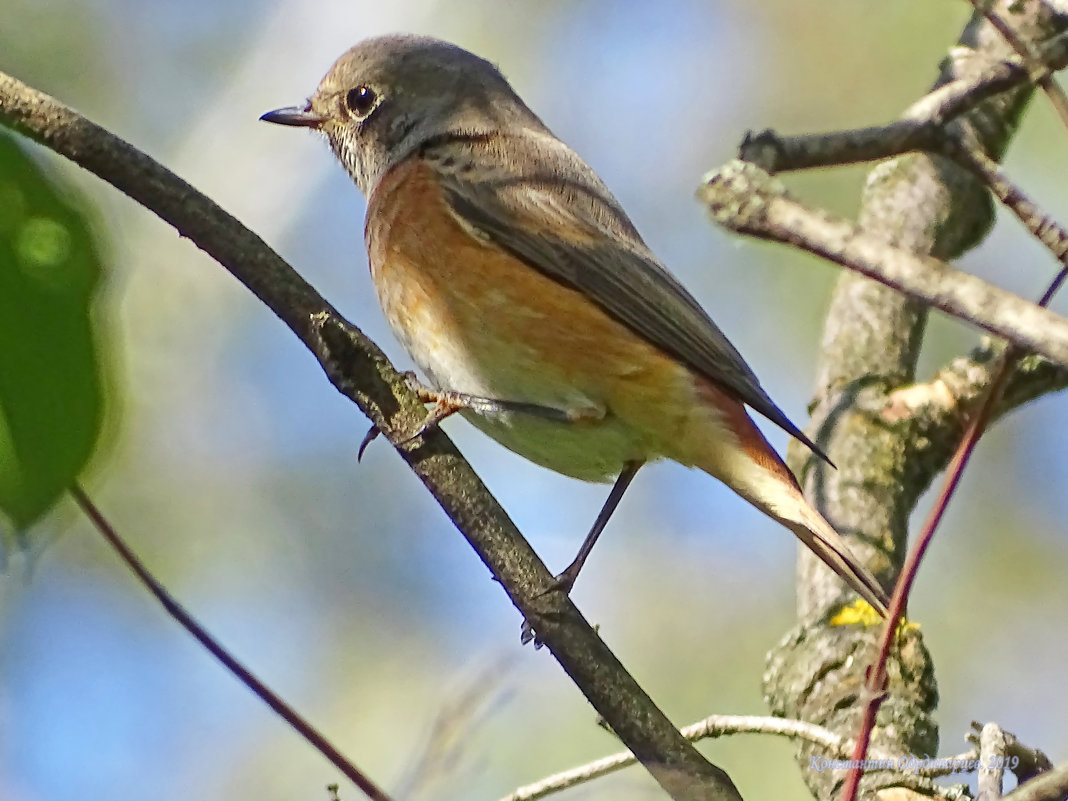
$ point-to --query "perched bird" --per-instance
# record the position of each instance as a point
(518, 284)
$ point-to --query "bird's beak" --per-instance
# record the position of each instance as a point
(294, 116)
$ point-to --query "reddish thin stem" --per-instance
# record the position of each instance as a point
(876, 680)
(175, 610)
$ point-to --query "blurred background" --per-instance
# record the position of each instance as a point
(230, 462)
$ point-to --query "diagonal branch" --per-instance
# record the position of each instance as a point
(744, 198)
(361, 372)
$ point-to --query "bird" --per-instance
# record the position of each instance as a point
(522, 290)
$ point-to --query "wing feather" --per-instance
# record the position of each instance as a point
(574, 231)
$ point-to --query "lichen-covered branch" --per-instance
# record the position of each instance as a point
(744, 198)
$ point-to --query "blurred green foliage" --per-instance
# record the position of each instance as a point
(50, 388)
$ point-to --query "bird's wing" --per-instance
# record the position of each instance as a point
(574, 231)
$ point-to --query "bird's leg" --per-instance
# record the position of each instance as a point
(566, 580)
(445, 403)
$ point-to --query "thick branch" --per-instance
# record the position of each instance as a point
(360, 371)
(744, 198)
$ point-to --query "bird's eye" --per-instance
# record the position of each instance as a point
(360, 101)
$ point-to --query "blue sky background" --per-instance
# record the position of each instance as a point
(230, 463)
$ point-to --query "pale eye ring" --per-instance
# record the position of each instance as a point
(361, 100)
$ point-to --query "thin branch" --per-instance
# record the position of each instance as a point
(775, 153)
(718, 726)
(919, 128)
(359, 370)
(904, 136)
(712, 726)
(451, 731)
(744, 198)
(1039, 72)
(216, 649)
(967, 152)
(877, 675)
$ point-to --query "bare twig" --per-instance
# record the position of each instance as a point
(712, 726)
(877, 676)
(450, 733)
(718, 725)
(746, 199)
(920, 128)
(1039, 72)
(1043, 227)
(359, 370)
(242, 673)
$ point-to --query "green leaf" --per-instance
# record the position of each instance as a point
(51, 400)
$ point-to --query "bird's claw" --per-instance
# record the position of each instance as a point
(368, 438)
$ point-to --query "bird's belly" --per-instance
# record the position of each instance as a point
(478, 361)
(587, 451)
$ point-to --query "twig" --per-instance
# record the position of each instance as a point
(717, 726)
(966, 151)
(877, 675)
(1039, 72)
(712, 726)
(919, 128)
(744, 198)
(242, 673)
(450, 732)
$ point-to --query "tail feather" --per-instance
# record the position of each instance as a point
(733, 450)
(818, 536)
